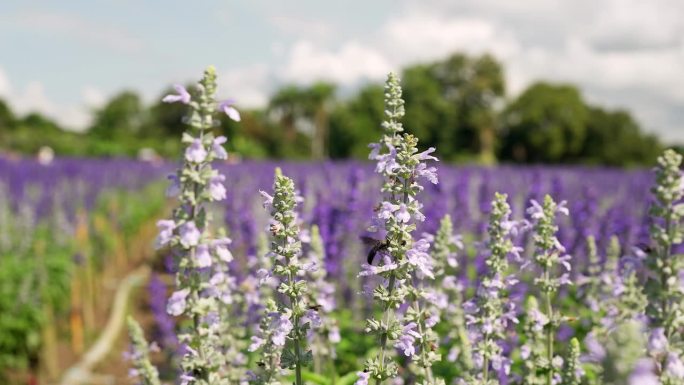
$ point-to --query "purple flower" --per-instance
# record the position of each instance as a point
(174, 188)
(403, 214)
(429, 173)
(221, 249)
(166, 227)
(674, 366)
(196, 153)
(388, 162)
(181, 95)
(363, 378)
(176, 305)
(407, 339)
(418, 256)
(227, 107)
(425, 155)
(596, 351)
(432, 320)
(334, 334)
(217, 147)
(525, 351)
(313, 318)
(375, 151)
(538, 320)
(268, 200)
(186, 379)
(386, 210)
(281, 326)
(202, 256)
(643, 373)
(536, 211)
(257, 342)
(657, 342)
(216, 189)
(189, 234)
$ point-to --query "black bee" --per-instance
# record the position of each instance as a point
(646, 248)
(314, 307)
(377, 246)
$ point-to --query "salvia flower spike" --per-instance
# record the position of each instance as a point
(203, 285)
(403, 168)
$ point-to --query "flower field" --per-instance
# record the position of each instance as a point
(402, 271)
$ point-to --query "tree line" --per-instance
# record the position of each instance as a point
(459, 105)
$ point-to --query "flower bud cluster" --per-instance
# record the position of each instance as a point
(572, 368)
(139, 355)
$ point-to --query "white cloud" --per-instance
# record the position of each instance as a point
(250, 86)
(621, 53)
(33, 98)
(352, 63)
(635, 24)
(93, 97)
(423, 36)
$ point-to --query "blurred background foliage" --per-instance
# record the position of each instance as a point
(459, 105)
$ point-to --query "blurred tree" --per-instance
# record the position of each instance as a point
(39, 124)
(614, 138)
(121, 118)
(305, 110)
(7, 118)
(473, 87)
(546, 123)
(356, 123)
(166, 119)
(320, 100)
(429, 116)
(7, 121)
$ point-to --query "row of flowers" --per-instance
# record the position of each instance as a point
(285, 321)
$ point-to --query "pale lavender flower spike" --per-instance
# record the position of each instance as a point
(227, 107)
(182, 95)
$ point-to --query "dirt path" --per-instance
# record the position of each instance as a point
(83, 372)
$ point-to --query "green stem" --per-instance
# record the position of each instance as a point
(388, 316)
(549, 332)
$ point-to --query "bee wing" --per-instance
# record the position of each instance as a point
(369, 241)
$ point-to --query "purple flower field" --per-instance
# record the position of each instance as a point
(406, 270)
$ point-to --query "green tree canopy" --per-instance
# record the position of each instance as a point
(355, 123)
(121, 117)
(546, 123)
(615, 138)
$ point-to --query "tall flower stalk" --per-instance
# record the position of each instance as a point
(321, 297)
(295, 317)
(665, 287)
(549, 257)
(448, 293)
(402, 166)
(490, 312)
(203, 285)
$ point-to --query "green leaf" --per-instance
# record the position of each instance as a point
(316, 378)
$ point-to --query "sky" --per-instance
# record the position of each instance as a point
(65, 58)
